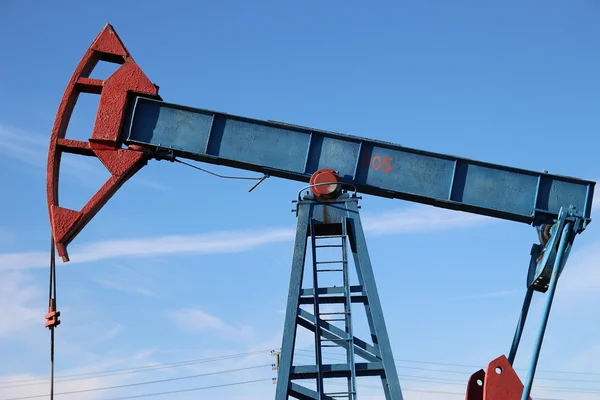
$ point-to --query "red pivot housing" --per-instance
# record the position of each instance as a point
(325, 184)
(498, 382)
(122, 163)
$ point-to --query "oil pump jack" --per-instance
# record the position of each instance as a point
(133, 126)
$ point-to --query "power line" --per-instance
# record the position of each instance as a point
(112, 372)
(517, 369)
(469, 373)
(144, 383)
(405, 377)
(449, 381)
(270, 379)
(188, 390)
(424, 390)
(473, 366)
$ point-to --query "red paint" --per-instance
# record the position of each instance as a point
(387, 164)
(325, 176)
(475, 386)
(52, 316)
(500, 382)
(377, 163)
(104, 143)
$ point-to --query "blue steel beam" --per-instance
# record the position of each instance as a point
(373, 167)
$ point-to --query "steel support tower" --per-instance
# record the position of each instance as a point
(334, 227)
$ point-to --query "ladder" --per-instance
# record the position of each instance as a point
(338, 268)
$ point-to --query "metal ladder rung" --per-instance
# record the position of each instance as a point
(343, 317)
(331, 262)
(330, 236)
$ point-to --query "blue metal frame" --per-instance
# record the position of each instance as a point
(332, 219)
(547, 263)
(378, 168)
(373, 167)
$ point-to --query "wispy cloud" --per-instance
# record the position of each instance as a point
(24, 147)
(22, 301)
(83, 387)
(418, 219)
(7, 237)
(499, 293)
(125, 287)
(32, 149)
(195, 320)
(128, 280)
(415, 219)
(581, 276)
(113, 332)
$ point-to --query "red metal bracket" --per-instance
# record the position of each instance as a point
(499, 382)
(104, 144)
(52, 315)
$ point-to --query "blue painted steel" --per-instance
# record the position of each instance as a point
(539, 277)
(317, 313)
(520, 325)
(567, 225)
(335, 219)
(375, 318)
(536, 250)
(303, 393)
(294, 152)
(350, 359)
(289, 328)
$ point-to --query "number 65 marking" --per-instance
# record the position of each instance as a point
(377, 162)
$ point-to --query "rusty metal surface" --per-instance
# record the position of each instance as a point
(104, 143)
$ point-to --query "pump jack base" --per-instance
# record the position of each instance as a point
(498, 382)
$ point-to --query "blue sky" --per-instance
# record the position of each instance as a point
(181, 265)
